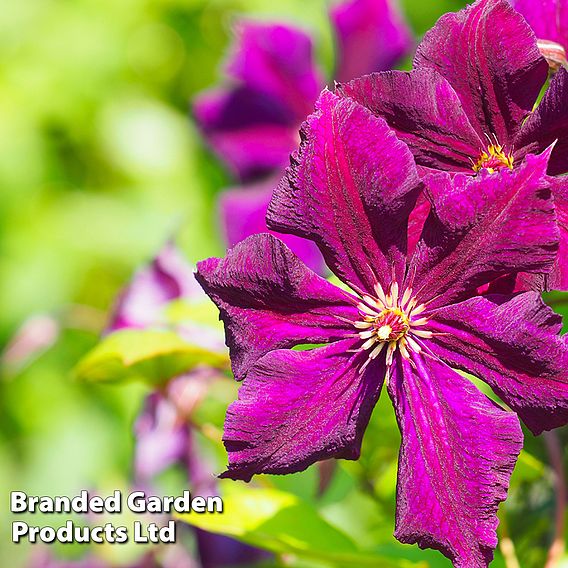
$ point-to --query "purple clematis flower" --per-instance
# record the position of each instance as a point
(408, 321)
(549, 21)
(252, 122)
(468, 104)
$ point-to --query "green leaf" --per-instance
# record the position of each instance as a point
(284, 524)
(202, 312)
(153, 357)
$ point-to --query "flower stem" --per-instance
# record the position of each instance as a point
(554, 447)
(561, 301)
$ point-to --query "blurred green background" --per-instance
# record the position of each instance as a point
(99, 165)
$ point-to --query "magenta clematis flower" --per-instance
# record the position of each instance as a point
(468, 104)
(549, 21)
(252, 122)
(408, 322)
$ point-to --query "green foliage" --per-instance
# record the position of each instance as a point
(153, 357)
(282, 523)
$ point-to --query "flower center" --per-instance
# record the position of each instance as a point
(390, 320)
(493, 158)
(391, 325)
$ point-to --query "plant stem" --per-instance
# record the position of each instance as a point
(561, 301)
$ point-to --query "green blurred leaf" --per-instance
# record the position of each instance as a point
(150, 356)
(203, 312)
(282, 523)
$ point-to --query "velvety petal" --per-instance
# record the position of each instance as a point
(416, 222)
(559, 276)
(425, 112)
(277, 60)
(350, 188)
(548, 124)
(371, 36)
(483, 227)
(457, 454)
(251, 131)
(168, 277)
(513, 344)
(243, 213)
(269, 299)
(548, 18)
(298, 407)
(488, 53)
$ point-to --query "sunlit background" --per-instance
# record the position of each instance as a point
(100, 164)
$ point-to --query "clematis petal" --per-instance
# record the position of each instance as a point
(168, 277)
(513, 344)
(298, 407)
(250, 130)
(269, 299)
(488, 53)
(483, 227)
(277, 60)
(350, 188)
(457, 454)
(243, 213)
(548, 124)
(559, 275)
(548, 18)
(371, 36)
(425, 112)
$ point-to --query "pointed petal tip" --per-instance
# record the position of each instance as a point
(235, 475)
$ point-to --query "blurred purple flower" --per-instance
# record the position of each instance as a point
(549, 21)
(164, 437)
(243, 213)
(45, 559)
(163, 431)
(410, 320)
(371, 36)
(168, 277)
(35, 336)
(468, 104)
(252, 121)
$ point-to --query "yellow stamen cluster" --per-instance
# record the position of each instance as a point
(390, 320)
(493, 158)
